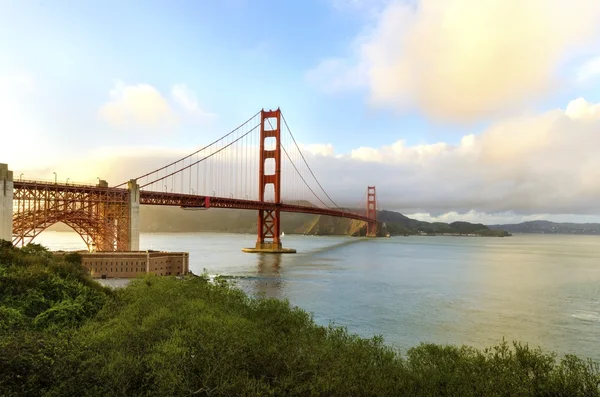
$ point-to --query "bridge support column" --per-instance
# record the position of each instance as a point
(371, 211)
(269, 228)
(134, 215)
(6, 203)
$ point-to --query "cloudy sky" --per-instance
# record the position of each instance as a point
(483, 111)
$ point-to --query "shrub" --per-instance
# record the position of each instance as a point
(63, 334)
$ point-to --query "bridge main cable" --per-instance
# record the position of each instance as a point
(201, 160)
(196, 152)
(303, 180)
(308, 166)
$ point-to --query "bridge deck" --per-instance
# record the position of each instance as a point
(189, 200)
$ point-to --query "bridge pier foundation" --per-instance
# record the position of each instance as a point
(134, 215)
(269, 248)
(6, 203)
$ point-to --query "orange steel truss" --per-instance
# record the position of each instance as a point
(371, 212)
(268, 219)
(100, 215)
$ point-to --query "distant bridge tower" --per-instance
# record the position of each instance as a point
(269, 225)
(6, 203)
(372, 211)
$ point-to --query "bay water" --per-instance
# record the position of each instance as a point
(540, 289)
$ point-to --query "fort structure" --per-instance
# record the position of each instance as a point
(134, 263)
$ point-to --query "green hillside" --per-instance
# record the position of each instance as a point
(395, 224)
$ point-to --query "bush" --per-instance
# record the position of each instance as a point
(179, 337)
(63, 334)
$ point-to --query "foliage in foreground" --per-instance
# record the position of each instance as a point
(180, 337)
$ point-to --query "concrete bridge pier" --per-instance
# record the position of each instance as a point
(134, 215)
(6, 203)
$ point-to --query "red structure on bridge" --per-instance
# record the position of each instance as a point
(371, 211)
(269, 226)
(244, 169)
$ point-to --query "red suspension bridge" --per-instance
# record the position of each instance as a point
(257, 166)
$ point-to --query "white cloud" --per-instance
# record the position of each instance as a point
(318, 149)
(144, 105)
(478, 217)
(501, 218)
(581, 109)
(539, 164)
(462, 60)
(590, 70)
(545, 164)
(140, 104)
(187, 99)
(116, 164)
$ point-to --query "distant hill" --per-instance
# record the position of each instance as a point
(158, 219)
(547, 227)
(397, 223)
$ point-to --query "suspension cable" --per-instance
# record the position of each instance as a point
(202, 159)
(305, 162)
(294, 165)
(196, 152)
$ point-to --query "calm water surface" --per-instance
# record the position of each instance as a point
(540, 289)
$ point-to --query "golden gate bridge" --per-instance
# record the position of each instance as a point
(257, 166)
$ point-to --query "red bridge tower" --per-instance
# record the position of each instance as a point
(269, 228)
(371, 211)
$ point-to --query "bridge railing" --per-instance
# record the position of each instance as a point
(50, 182)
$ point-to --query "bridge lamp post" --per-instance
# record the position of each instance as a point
(55, 178)
(165, 188)
(98, 180)
(21, 176)
(68, 180)
(192, 191)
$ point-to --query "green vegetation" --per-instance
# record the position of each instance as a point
(63, 335)
(460, 228)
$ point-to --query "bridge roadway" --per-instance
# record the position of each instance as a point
(182, 200)
(108, 218)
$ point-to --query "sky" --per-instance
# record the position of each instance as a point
(483, 111)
